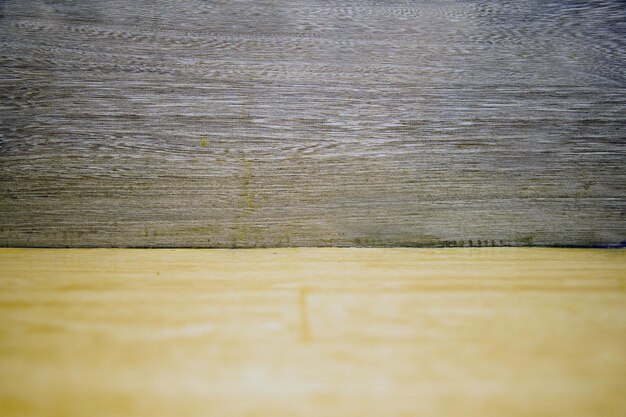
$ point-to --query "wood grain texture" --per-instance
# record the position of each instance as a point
(312, 123)
(313, 332)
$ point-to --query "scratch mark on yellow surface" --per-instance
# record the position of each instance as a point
(305, 332)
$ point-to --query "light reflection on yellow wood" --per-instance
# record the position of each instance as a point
(312, 332)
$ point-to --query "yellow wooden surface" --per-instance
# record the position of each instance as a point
(312, 332)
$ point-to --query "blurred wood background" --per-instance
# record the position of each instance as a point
(313, 332)
(312, 123)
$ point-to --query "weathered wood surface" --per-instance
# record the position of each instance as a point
(313, 332)
(274, 123)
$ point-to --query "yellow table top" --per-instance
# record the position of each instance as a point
(313, 332)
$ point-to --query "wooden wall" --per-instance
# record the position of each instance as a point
(312, 123)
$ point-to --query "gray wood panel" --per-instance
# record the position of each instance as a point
(305, 123)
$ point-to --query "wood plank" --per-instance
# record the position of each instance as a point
(313, 332)
(312, 123)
